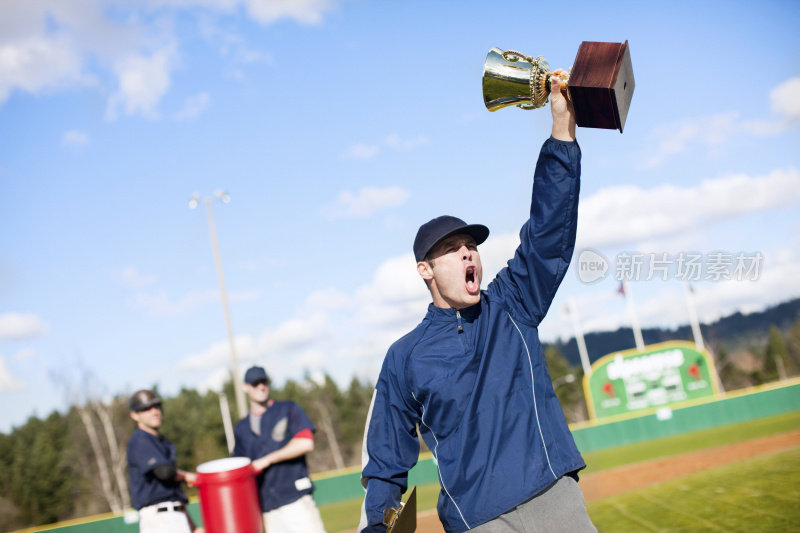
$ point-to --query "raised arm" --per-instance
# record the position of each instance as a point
(547, 240)
(562, 110)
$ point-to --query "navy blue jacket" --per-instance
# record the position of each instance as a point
(482, 397)
(145, 452)
(284, 482)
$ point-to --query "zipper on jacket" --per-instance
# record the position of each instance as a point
(458, 317)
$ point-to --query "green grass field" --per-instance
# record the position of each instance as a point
(760, 494)
(699, 440)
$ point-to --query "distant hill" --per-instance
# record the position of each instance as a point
(734, 331)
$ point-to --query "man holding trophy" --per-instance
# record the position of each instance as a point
(472, 375)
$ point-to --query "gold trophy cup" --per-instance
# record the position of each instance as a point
(600, 84)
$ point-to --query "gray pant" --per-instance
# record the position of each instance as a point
(559, 508)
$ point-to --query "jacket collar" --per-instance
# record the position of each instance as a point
(448, 313)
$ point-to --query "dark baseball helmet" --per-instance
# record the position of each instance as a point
(144, 399)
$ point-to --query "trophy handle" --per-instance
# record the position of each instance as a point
(512, 78)
(512, 56)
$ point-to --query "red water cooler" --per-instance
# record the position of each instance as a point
(229, 497)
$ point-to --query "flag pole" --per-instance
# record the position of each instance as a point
(698, 335)
(637, 331)
(576, 326)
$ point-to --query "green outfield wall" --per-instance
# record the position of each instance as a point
(731, 408)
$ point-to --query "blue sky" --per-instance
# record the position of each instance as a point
(337, 128)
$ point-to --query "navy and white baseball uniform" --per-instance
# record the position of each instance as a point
(145, 451)
(475, 380)
(282, 482)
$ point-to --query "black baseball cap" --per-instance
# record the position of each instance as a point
(255, 374)
(433, 231)
(143, 400)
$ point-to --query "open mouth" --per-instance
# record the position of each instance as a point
(471, 282)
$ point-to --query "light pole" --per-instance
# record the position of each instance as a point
(241, 405)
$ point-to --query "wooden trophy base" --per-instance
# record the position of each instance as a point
(601, 85)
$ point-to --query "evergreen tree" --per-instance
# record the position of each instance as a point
(9, 513)
(567, 382)
(775, 355)
(193, 423)
(793, 349)
(731, 375)
(353, 417)
(39, 476)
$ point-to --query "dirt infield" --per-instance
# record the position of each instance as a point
(623, 479)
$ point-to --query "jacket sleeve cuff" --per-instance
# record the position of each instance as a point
(552, 139)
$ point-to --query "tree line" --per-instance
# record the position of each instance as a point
(72, 464)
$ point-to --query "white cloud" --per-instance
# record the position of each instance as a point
(714, 131)
(777, 282)
(396, 143)
(25, 354)
(330, 299)
(19, 326)
(397, 295)
(294, 334)
(7, 381)
(216, 380)
(496, 252)
(674, 138)
(219, 353)
(263, 11)
(74, 138)
(785, 99)
(665, 305)
(143, 81)
(46, 45)
(392, 142)
(366, 201)
(292, 337)
(234, 46)
(628, 214)
(131, 277)
(331, 326)
(395, 281)
(361, 151)
(160, 304)
(217, 5)
(37, 63)
(304, 11)
(193, 106)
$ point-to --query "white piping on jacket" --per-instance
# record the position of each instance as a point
(533, 386)
(436, 456)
